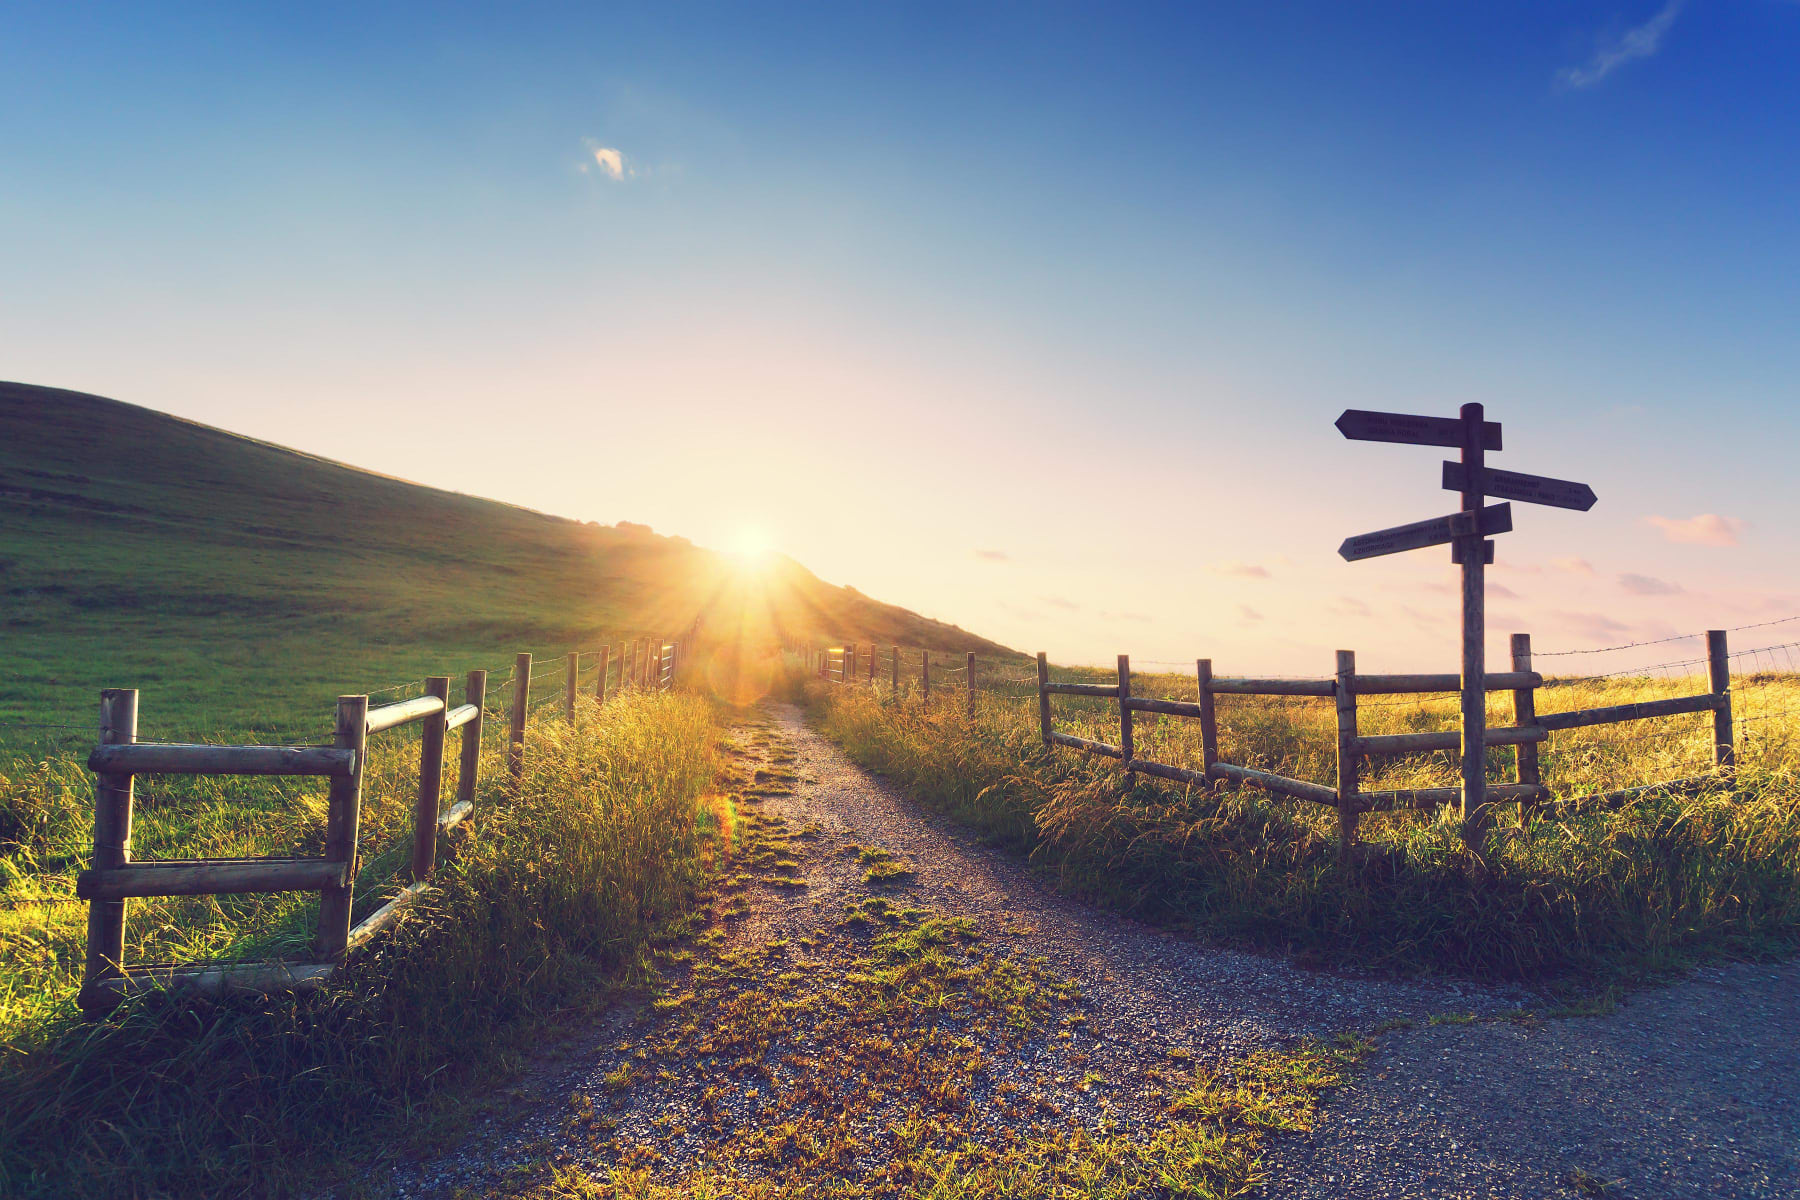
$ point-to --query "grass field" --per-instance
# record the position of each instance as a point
(549, 903)
(1598, 897)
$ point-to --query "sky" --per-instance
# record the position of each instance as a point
(1032, 317)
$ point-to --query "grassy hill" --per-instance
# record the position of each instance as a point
(242, 585)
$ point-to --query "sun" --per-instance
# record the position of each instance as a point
(752, 544)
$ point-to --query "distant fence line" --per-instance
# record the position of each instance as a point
(855, 662)
(650, 663)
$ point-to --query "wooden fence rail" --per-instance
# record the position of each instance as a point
(1528, 731)
(119, 758)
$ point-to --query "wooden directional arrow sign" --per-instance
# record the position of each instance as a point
(1364, 426)
(1532, 489)
(1495, 518)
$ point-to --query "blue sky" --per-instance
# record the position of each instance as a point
(1079, 287)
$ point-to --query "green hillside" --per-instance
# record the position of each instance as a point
(242, 585)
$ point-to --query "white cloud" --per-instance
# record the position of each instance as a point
(1574, 566)
(611, 161)
(1641, 41)
(1706, 529)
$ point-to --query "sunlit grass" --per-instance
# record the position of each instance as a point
(1658, 884)
(549, 901)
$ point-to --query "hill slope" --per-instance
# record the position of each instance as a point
(241, 583)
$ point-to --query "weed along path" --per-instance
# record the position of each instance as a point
(880, 1006)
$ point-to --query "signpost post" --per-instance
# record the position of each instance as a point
(1467, 532)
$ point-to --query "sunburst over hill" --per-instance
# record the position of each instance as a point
(245, 582)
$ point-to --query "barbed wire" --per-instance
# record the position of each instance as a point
(1680, 637)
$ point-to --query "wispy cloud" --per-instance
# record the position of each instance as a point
(1246, 613)
(1242, 570)
(1348, 606)
(1064, 604)
(1707, 529)
(1641, 41)
(1574, 566)
(1648, 585)
(993, 556)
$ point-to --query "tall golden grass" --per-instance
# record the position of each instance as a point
(1595, 895)
(551, 901)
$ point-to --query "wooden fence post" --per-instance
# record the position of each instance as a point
(1344, 691)
(571, 682)
(925, 673)
(343, 813)
(469, 765)
(112, 848)
(1525, 755)
(1471, 553)
(431, 780)
(600, 681)
(1718, 674)
(969, 679)
(515, 731)
(1209, 721)
(1043, 666)
(871, 664)
(1127, 751)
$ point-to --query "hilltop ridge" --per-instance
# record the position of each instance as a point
(143, 549)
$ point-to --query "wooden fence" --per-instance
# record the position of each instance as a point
(1528, 731)
(846, 665)
(113, 878)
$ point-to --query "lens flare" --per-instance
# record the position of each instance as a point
(752, 544)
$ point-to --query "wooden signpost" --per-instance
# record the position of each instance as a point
(1466, 532)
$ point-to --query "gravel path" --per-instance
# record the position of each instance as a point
(1499, 1107)
(1148, 989)
(1686, 1091)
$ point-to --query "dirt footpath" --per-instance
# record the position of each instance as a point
(1684, 1092)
